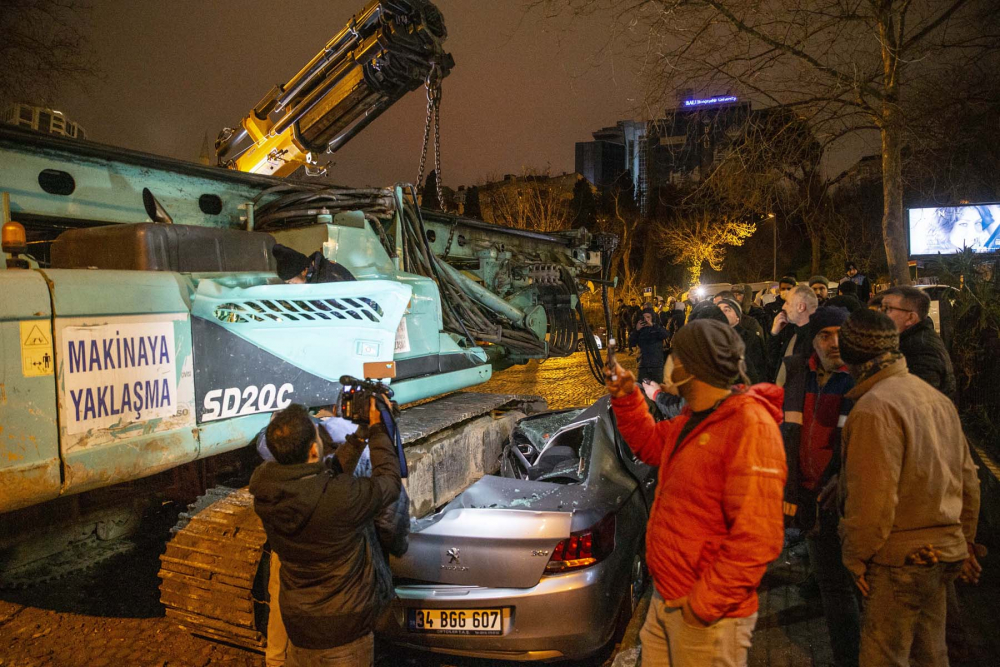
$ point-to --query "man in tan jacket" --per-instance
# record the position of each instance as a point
(909, 494)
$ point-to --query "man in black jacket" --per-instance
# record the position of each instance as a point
(790, 333)
(744, 296)
(633, 313)
(320, 523)
(649, 337)
(926, 356)
(755, 353)
(847, 297)
(821, 288)
(773, 309)
(622, 330)
(859, 279)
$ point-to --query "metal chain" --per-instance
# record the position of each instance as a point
(451, 236)
(423, 147)
(433, 86)
(437, 145)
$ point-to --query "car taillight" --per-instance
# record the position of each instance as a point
(583, 548)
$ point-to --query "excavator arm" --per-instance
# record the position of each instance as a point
(389, 49)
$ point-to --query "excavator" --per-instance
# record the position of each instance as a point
(145, 337)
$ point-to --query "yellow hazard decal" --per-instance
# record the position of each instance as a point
(36, 349)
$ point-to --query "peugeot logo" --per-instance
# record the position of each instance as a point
(454, 555)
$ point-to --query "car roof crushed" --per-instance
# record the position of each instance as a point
(602, 490)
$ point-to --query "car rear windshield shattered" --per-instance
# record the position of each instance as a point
(550, 449)
(539, 429)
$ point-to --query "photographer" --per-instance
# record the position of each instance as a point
(649, 336)
(320, 523)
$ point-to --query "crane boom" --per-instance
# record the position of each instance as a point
(389, 49)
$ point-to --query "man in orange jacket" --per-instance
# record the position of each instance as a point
(717, 519)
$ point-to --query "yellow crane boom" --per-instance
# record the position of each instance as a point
(389, 49)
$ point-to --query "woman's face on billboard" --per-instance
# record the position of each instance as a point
(967, 230)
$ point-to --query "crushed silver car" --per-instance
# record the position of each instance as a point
(543, 561)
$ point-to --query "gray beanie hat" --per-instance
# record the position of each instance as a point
(867, 334)
(734, 304)
(709, 350)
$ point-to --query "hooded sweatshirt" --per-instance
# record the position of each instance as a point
(320, 524)
(717, 518)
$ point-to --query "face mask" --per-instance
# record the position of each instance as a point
(668, 383)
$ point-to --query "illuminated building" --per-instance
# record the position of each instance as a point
(678, 149)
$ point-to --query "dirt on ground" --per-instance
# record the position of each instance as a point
(108, 614)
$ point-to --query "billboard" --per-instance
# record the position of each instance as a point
(948, 229)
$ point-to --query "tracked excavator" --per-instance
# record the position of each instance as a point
(145, 338)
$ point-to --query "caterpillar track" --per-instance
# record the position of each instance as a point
(214, 571)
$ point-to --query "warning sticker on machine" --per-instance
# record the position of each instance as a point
(36, 349)
(120, 372)
(402, 338)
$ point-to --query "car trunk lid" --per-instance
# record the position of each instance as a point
(495, 547)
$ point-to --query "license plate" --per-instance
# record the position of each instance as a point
(459, 621)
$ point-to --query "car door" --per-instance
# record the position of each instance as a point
(646, 475)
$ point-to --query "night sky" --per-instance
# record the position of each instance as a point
(524, 88)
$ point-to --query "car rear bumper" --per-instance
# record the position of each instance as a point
(570, 616)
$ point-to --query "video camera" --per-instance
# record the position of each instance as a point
(355, 400)
(356, 395)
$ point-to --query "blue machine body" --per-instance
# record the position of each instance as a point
(108, 376)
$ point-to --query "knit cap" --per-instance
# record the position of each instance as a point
(819, 280)
(290, 262)
(867, 334)
(734, 304)
(706, 310)
(828, 316)
(709, 350)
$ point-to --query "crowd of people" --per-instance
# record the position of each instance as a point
(807, 417)
(803, 417)
(771, 324)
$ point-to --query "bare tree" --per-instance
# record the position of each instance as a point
(774, 167)
(624, 222)
(42, 47)
(842, 65)
(533, 201)
(697, 237)
(853, 231)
